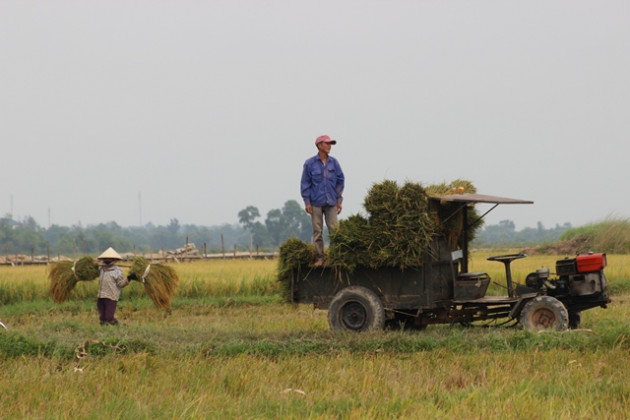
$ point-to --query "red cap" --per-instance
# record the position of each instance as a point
(324, 139)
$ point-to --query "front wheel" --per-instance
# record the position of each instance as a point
(356, 308)
(544, 313)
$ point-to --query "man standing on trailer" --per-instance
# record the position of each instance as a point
(322, 188)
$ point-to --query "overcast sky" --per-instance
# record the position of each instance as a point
(145, 111)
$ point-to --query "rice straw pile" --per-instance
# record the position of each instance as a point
(64, 275)
(160, 281)
(397, 232)
(293, 254)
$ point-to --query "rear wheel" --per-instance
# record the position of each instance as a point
(544, 313)
(356, 308)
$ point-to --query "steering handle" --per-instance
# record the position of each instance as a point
(507, 260)
(506, 257)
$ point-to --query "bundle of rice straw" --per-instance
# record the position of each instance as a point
(160, 281)
(293, 254)
(398, 231)
(351, 243)
(64, 276)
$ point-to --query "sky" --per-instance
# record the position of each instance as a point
(150, 110)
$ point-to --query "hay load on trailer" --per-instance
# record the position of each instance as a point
(407, 263)
(398, 230)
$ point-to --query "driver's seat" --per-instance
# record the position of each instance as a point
(470, 285)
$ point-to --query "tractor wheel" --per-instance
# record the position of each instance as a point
(575, 319)
(356, 308)
(544, 313)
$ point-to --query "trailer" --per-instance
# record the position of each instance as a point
(440, 289)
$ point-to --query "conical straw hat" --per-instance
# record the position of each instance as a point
(110, 254)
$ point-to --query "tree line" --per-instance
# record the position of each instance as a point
(505, 233)
(26, 236)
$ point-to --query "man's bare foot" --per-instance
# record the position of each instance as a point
(318, 263)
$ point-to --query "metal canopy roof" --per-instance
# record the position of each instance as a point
(478, 198)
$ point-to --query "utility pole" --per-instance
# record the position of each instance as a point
(140, 206)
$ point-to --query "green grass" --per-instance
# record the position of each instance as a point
(611, 235)
(240, 352)
(439, 384)
(276, 329)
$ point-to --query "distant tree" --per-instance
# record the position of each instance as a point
(199, 235)
(139, 237)
(290, 221)
(505, 233)
(6, 230)
(105, 235)
(507, 225)
(167, 237)
(502, 232)
(298, 222)
(53, 234)
(248, 216)
(261, 237)
(173, 227)
(28, 236)
(274, 225)
(233, 235)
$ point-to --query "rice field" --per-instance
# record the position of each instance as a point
(230, 348)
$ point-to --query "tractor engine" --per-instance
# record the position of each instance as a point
(579, 276)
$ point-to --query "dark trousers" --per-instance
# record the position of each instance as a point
(106, 309)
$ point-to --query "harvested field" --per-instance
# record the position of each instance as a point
(231, 349)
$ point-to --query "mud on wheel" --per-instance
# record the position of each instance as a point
(544, 313)
(356, 308)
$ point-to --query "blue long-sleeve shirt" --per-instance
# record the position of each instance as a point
(322, 185)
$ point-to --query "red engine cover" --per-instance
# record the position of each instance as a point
(591, 262)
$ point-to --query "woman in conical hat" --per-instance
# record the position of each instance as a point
(110, 283)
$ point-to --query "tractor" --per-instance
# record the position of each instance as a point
(441, 290)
